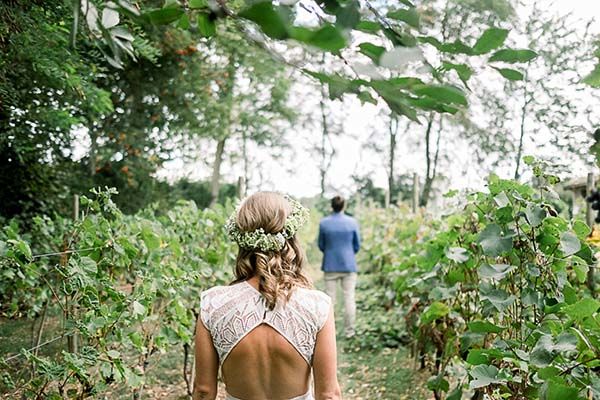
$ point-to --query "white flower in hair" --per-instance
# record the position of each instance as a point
(259, 239)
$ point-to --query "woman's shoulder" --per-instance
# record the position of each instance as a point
(313, 294)
(314, 303)
(221, 291)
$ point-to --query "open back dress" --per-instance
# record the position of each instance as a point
(231, 312)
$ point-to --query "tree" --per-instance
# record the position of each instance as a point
(252, 99)
(50, 92)
(550, 106)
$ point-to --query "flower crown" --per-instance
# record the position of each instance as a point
(259, 239)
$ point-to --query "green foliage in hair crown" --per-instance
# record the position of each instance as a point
(261, 240)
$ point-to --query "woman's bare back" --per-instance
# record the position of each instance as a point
(262, 353)
(264, 365)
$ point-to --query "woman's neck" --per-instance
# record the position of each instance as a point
(253, 281)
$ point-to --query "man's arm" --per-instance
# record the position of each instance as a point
(356, 239)
(321, 239)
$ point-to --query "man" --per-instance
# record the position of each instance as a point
(339, 240)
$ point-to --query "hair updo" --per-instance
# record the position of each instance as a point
(278, 272)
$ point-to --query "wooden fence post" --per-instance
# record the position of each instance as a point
(589, 218)
(241, 187)
(415, 199)
(73, 339)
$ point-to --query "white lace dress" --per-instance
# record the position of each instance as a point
(231, 312)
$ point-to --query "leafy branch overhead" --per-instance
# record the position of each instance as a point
(393, 44)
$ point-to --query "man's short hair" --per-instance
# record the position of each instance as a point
(338, 203)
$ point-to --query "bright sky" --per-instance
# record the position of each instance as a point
(297, 172)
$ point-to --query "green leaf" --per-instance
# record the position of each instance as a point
(456, 47)
(457, 254)
(184, 22)
(500, 299)
(372, 51)
(543, 353)
(477, 357)
(483, 356)
(197, 3)
(513, 55)
(463, 70)
(442, 93)
(593, 79)
(484, 327)
(206, 26)
(434, 311)
(569, 243)
(368, 26)
(328, 38)
(584, 308)
(270, 19)
(484, 375)
(491, 39)
(501, 199)
(365, 97)
(400, 106)
(138, 309)
(510, 74)
(110, 18)
(164, 16)
(548, 372)
(566, 342)
(348, 16)
(493, 241)
(535, 214)
(581, 229)
(559, 391)
(410, 16)
(455, 394)
(88, 265)
(495, 271)
(150, 238)
(329, 6)
(437, 383)
(113, 354)
(581, 268)
(24, 249)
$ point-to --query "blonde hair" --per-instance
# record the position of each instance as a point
(279, 272)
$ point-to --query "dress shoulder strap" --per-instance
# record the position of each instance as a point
(315, 303)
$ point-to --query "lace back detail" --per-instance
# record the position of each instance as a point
(231, 312)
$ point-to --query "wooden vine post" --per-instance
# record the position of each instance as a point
(241, 187)
(415, 199)
(72, 340)
(589, 219)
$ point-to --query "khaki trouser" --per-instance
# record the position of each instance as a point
(348, 281)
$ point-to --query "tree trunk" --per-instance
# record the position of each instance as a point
(393, 128)
(226, 96)
(325, 132)
(93, 151)
(429, 179)
(428, 163)
(75, 25)
(216, 174)
(522, 133)
(245, 156)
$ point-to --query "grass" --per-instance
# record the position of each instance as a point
(383, 374)
(378, 372)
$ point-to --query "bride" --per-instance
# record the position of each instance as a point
(268, 332)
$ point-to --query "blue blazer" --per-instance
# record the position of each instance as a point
(339, 241)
